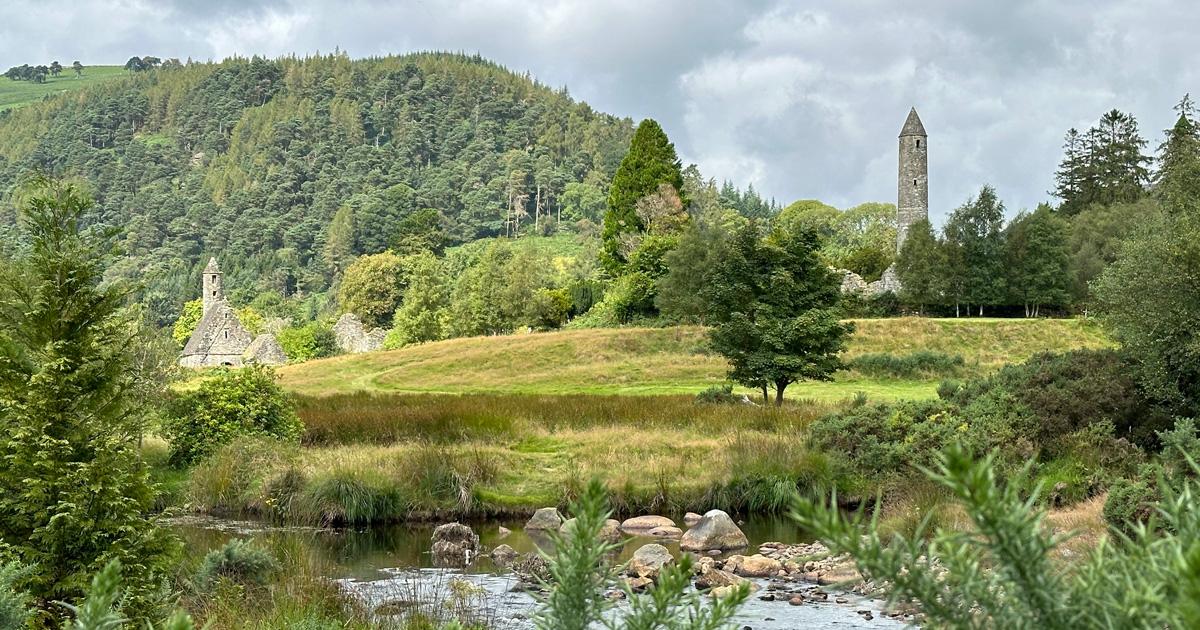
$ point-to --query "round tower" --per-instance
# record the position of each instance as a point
(212, 285)
(912, 199)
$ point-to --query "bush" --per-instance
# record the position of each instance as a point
(247, 401)
(352, 496)
(228, 481)
(718, 395)
(14, 603)
(922, 363)
(1067, 392)
(313, 340)
(1005, 574)
(882, 439)
(238, 561)
(1130, 502)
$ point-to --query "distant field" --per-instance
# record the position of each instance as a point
(18, 93)
(669, 360)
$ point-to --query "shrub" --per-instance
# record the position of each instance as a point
(247, 401)
(1004, 575)
(238, 561)
(921, 363)
(313, 340)
(352, 496)
(718, 395)
(1067, 392)
(1130, 502)
(881, 439)
(14, 603)
(228, 481)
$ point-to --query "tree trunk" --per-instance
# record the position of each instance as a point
(766, 398)
(779, 387)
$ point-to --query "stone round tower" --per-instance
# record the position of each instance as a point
(912, 199)
(212, 286)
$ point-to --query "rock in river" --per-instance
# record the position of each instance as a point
(716, 531)
(639, 525)
(609, 533)
(648, 561)
(545, 519)
(454, 544)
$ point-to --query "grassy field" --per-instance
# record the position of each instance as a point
(659, 361)
(18, 93)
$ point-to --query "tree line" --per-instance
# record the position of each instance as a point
(38, 74)
(1051, 256)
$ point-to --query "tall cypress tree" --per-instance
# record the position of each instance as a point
(74, 494)
(651, 161)
(1177, 182)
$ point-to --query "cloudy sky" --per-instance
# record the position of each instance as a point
(802, 99)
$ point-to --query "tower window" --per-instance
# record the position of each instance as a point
(914, 183)
(226, 334)
(214, 278)
(215, 293)
(918, 144)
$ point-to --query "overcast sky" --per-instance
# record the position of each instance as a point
(802, 99)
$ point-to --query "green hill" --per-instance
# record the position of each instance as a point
(250, 160)
(17, 93)
(671, 360)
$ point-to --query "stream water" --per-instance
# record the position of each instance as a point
(391, 565)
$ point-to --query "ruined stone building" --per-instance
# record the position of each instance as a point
(219, 338)
(912, 198)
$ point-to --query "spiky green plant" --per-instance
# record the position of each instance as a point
(1000, 573)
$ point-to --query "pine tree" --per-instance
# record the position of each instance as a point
(1105, 165)
(1177, 183)
(920, 266)
(651, 161)
(74, 494)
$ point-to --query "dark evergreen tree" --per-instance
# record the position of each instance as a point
(74, 494)
(1177, 182)
(1105, 165)
(651, 161)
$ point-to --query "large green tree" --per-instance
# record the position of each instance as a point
(920, 266)
(1037, 261)
(74, 493)
(975, 258)
(772, 308)
(650, 162)
(1150, 299)
(372, 288)
(1104, 165)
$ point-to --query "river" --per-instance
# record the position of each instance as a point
(391, 565)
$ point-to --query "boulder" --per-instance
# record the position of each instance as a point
(715, 532)
(691, 518)
(716, 578)
(638, 584)
(665, 532)
(639, 525)
(503, 556)
(454, 544)
(648, 561)
(503, 532)
(545, 519)
(609, 533)
(757, 566)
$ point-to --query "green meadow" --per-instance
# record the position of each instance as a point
(18, 93)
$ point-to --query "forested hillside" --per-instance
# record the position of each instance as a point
(290, 168)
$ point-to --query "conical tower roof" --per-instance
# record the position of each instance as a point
(212, 266)
(912, 124)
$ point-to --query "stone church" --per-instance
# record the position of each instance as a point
(220, 339)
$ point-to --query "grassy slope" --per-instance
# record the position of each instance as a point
(668, 360)
(18, 93)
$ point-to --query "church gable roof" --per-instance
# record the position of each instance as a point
(209, 334)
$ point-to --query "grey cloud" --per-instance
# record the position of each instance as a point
(804, 100)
